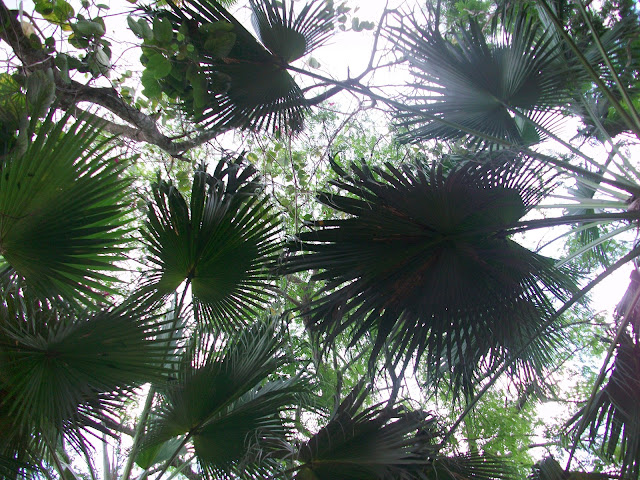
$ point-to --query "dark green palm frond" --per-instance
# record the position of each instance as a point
(235, 82)
(600, 116)
(423, 260)
(11, 469)
(614, 416)
(221, 242)
(227, 407)
(62, 371)
(17, 448)
(380, 443)
(249, 438)
(18, 451)
(469, 467)
(474, 85)
(548, 469)
(289, 35)
(63, 204)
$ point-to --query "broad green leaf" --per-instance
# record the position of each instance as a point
(135, 27)
(157, 453)
(89, 28)
(220, 44)
(162, 30)
(158, 66)
(12, 102)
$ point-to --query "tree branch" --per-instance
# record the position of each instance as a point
(141, 128)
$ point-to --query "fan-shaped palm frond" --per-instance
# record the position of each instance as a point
(476, 86)
(549, 469)
(63, 204)
(62, 371)
(423, 260)
(221, 242)
(601, 109)
(227, 407)
(235, 81)
(374, 443)
(291, 36)
(17, 451)
(469, 467)
(616, 410)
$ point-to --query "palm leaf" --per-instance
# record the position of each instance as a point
(224, 92)
(469, 467)
(63, 211)
(374, 443)
(221, 242)
(10, 468)
(549, 469)
(224, 404)
(249, 438)
(18, 451)
(423, 260)
(62, 372)
(291, 36)
(475, 86)
(616, 410)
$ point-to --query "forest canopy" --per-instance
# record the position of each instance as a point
(219, 259)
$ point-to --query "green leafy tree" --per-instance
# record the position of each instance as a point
(184, 329)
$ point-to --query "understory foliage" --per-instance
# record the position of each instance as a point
(355, 306)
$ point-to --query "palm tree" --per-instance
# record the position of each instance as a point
(216, 83)
(419, 261)
(510, 87)
(424, 262)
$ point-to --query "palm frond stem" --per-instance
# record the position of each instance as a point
(595, 243)
(179, 469)
(628, 167)
(633, 126)
(142, 420)
(615, 149)
(500, 370)
(561, 164)
(603, 372)
(579, 229)
(568, 220)
(562, 142)
(583, 205)
(54, 455)
(607, 61)
(175, 454)
(596, 185)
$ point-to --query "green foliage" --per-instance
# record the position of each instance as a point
(614, 413)
(64, 371)
(220, 243)
(222, 402)
(369, 443)
(414, 240)
(64, 211)
(414, 256)
(467, 87)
